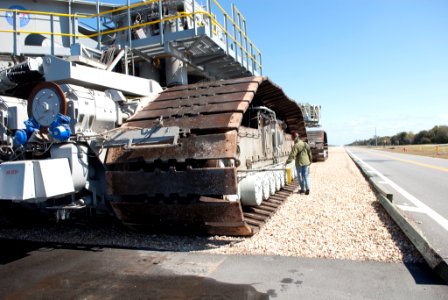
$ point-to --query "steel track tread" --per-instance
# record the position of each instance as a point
(256, 217)
(273, 205)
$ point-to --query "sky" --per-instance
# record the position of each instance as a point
(372, 65)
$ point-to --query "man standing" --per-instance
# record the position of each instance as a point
(301, 153)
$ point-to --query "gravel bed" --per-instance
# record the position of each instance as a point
(340, 219)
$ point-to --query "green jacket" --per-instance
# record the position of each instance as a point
(301, 152)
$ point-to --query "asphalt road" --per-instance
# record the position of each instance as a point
(43, 271)
(420, 189)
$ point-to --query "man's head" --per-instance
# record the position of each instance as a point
(295, 136)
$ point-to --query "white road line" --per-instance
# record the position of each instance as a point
(419, 204)
(383, 182)
(410, 208)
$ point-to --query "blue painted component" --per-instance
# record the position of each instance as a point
(31, 126)
(60, 128)
(21, 137)
(61, 133)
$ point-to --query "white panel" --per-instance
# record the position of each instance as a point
(77, 158)
(17, 180)
(53, 177)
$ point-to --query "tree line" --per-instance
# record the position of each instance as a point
(436, 135)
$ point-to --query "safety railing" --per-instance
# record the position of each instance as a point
(244, 50)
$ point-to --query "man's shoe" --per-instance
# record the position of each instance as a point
(301, 192)
(307, 192)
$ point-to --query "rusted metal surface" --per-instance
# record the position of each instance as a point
(203, 100)
(192, 110)
(210, 215)
(209, 146)
(211, 181)
(209, 116)
(205, 85)
(224, 121)
(211, 90)
(319, 144)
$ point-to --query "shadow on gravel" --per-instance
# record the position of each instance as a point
(93, 234)
(29, 229)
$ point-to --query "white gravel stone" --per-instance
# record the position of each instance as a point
(340, 219)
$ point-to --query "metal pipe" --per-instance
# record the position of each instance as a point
(162, 42)
(98, 30)
(129, 25)
(209, 10)
(70, 21)
(234, 33)
(227, 33)
(194, 18)
(52, 36)
(247, 46)
(16, 25)
(115, 61)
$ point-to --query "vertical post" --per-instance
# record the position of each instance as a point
(70, 31)
(98, 29)
(129, 26)
(247, 46)
(16, 25)
(52, 34)
(252, 58)
(74, 29)
(126, 60)
(235, 46)
(241, 38)
(209, 10)
(227, 33)
(161, 23)
(193, 7)
(376, 139)
(261, 64)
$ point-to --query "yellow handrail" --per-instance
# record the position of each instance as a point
(236, 25)
(37, 12)
(180, 15)
(126, 7)
(41, 32)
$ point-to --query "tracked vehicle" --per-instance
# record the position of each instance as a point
(158, 112)
(316, 136)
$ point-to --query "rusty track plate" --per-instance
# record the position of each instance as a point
(235, 106)
(217, 121)
(207, 181)
(204, 100)
(210, 146)
(209, 91)
(202, 85)
(209, 215)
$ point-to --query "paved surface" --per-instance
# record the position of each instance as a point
(37, 271)
(420, 189)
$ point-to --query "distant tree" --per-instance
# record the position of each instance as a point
(436, 135)
(385, 140)
(423, 137)
(440, 134)
(402, 138)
